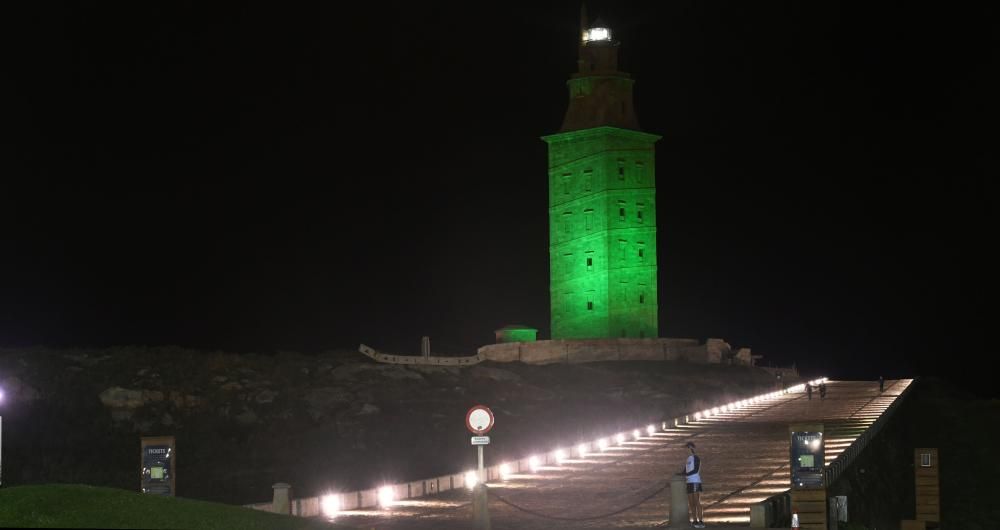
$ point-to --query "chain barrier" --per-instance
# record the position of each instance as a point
(646, 498)
(640, 502)
(587, 518)
(653, 494)
(667, 445)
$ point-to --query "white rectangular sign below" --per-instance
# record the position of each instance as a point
(480, 440)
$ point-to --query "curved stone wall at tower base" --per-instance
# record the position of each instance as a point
(713, 351)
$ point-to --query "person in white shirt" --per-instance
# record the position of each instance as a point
(692, 474)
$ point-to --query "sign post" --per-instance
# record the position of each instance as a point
(479, 421)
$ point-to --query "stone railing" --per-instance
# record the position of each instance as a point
(834, 469)
(772, 512)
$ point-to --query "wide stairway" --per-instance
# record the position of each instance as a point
(744, 452)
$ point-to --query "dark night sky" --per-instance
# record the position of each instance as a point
(313, 176)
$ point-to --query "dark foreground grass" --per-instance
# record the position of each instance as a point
(79, 506)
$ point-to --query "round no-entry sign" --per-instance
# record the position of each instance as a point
(479, 419)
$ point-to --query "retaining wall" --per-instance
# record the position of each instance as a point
(592, 350)
(712, 351)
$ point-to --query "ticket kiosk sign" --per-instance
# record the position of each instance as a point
(807, 455)
(158, 465)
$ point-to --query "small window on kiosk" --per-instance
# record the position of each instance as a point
(925, 460)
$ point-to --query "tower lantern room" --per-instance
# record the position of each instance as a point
(599, 93)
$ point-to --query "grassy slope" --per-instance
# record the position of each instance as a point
(78, 506)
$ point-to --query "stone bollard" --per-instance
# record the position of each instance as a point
(678, 502)
(480, 507)
(282, 501)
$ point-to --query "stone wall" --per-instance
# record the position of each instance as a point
(429, 360)
(713, 351)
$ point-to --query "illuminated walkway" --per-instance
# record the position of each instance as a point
(744, 455)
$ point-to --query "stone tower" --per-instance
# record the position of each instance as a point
(602, 203)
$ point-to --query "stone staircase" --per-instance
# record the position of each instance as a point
(745, 461)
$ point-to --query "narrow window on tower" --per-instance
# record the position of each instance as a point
(621, 210)
(642, 298)
(588, 217)
(566, 221)
(590, 263)
(590, 305)
(642, 251)
(588, 179)
(621, 169)
(639, 173)
(621, 249)
(566, 178)
(638, 211)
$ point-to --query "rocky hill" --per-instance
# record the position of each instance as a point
(334, 420)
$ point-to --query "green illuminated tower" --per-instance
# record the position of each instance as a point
(602, 204)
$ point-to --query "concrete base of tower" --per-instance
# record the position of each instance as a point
(712, 351)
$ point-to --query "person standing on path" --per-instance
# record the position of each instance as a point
(809, 391)
(881, 384)
(822, 390)
(692, 474)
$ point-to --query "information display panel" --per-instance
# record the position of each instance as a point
(158, 463)
(807, 455)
